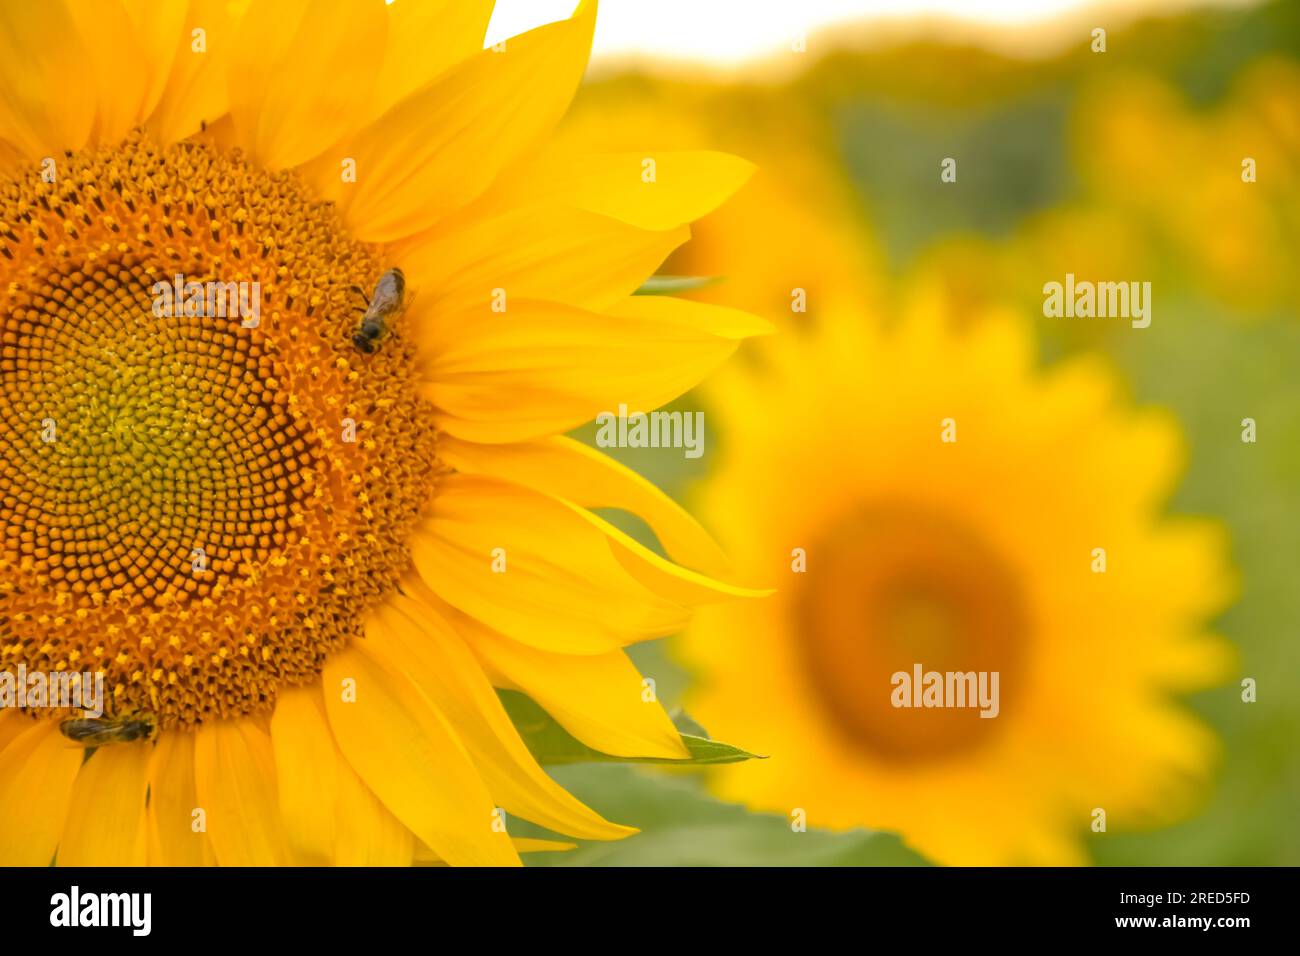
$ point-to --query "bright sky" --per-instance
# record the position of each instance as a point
(728, 32)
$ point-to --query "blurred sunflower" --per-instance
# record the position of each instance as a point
(891, 547)
(215, 515)
(1227, 229)
(974, 274)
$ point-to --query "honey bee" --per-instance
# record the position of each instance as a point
(384, 305)
(101, 731)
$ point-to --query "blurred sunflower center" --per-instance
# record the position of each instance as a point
(204, 484)
(896, 586)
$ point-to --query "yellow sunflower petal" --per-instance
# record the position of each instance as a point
(561, 589)
(50, 97)
(300, 73)
(234, 774)
(331, 816)
(522, 845)
(565, 468)
(406, 753)
(719, 320)
(367, 834)
(599, 698)
(651, 189)
(12, 723)
(536, 251)
(120, 70)
(37, 771)
(437, 150)
(305, 770)
(407, 634)
(158, 28)
(196, 90)
(410, 60)
(106, 820)
(664, 578)
(543, 367)
(173, 798)
(10, 155)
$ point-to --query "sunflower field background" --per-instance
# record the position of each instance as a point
(1120, 165)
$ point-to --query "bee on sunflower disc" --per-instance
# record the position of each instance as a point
(384, 305)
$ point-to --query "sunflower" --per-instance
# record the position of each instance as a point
(308, 567)
(922, 495)
(1243, 154)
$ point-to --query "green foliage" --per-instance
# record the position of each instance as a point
(682, 826)
(1213, 370)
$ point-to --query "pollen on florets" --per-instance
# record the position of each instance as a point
(198, 506)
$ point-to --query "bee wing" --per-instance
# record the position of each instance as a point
(82, 737)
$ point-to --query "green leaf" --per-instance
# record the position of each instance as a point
(686, 724)
(674, 285)
(552, 744)
(682, 825)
